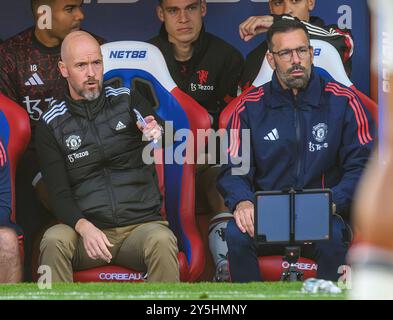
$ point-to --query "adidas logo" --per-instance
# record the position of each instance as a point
(120, 126)
(34, 80)
(272, 136)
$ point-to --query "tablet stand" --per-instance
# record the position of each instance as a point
(291, 273)
(305, 217)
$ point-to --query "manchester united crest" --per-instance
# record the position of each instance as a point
(320, 132)
(73, 142)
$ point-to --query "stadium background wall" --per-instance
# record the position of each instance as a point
(136, 20)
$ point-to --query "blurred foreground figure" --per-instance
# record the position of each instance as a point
(372, 258)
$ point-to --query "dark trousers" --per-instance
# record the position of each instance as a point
(243, 252)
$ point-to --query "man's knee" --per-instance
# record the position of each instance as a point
(10, 257)
(234, 237)
(59, 237)
(162, 239)
(9, 241)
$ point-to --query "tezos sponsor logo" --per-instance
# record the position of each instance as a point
(76, 156)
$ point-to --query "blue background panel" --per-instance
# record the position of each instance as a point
(138, 21)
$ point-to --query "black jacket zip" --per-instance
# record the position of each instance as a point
(298, 140)
(106, 171)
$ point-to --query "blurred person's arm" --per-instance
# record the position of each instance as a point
(373, 208)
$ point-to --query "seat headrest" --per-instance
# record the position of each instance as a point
(264, 75)
(326, 58)
(139, 56)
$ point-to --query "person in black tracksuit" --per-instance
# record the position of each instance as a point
(210, 75)
(100, 148)
(207, 69)
(103, 193)
(287, 9)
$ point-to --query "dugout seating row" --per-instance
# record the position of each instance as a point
(176, 181)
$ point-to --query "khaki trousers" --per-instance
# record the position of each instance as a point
(149, 247)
